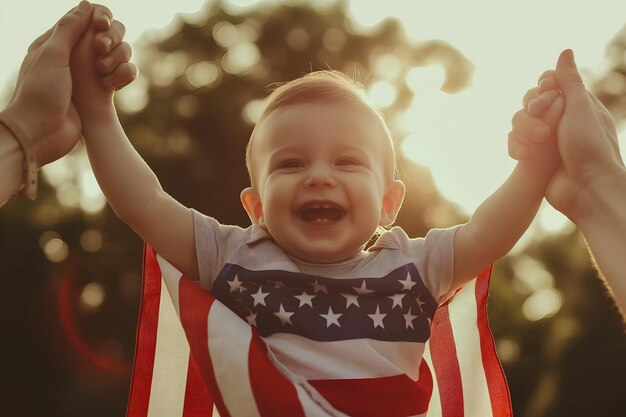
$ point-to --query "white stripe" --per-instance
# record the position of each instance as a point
(169, 378)
(313, 404)
(463, 316)
(171, 277)
(368, 358)
(230, 342)
(434, 408)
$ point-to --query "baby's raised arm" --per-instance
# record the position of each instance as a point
(499, 222)
(130, 186)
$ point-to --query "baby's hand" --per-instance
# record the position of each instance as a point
(533, 137)
(99, 65)
(113, 54)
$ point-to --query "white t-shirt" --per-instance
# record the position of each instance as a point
(366, 317)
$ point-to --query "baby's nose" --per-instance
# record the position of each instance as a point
(320, 176)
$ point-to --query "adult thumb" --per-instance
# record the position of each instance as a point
(70, 28)
(569, 79)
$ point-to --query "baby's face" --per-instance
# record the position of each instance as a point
(321, 187)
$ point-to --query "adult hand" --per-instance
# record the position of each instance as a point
(588, 146)
(41, 105)
(590, 185)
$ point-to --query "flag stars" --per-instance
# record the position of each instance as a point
(351, 299)
(284, 316)
(235, 285)
(259, 297)
(362, 290)
(331, 318)
(407, 284)
(305, 299)
(408, 319)
(397, 300)
(377, 318)
(317, 287)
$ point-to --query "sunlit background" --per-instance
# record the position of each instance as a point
(449, 77)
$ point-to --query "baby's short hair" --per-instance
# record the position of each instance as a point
(322, 86)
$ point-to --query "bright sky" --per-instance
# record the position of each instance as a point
(510, 42)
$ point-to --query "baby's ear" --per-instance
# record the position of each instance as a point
(392, 201)
(252, 204)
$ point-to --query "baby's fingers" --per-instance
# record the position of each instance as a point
(106, 64)
(529, 128)
(102, 17)
(537, 106)
(109, 39)
(530, 95)
(124, 74)
(553, 114)
(518, 147)
(547, 81)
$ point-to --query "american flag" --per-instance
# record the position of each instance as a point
(217, 363)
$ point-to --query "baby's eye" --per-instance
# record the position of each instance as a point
(290, 163)
(348, 161)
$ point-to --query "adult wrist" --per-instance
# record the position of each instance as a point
(27, 146)
(604, 200)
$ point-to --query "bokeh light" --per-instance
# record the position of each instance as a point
(334, 40)
(202, 74)
(92, 198)
(225, 34)
(134, 97)
(56, 250)
(542, 304)
(508, 350)
(298, 39)
(91, 240)
(425, 78)
(92, 296)
(240, 58)
(382, 94)
(252, 111)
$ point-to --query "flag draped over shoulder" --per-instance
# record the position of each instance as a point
(194, 357)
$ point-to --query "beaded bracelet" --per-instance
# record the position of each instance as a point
(29, 188)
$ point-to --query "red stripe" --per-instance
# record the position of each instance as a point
(389, 396)
(195, 304)
(496, 380)
(198, 401)
(446, 364)
(274, 394)
(141, 382)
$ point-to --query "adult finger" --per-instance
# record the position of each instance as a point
(69, 30)
(40, 40)
(123, 75)
(569, 80)
(108, 40)
(102, 17)
(106, 64)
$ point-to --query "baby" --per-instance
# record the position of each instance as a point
(321, 162)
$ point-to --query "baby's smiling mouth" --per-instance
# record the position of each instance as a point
(321, 213)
